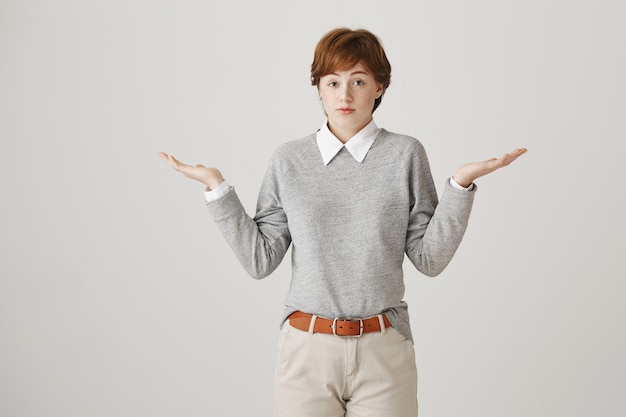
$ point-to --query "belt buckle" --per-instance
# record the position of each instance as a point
(334, 327)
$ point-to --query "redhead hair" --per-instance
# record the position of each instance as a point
(342, 48)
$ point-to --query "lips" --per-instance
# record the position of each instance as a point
(345, 110)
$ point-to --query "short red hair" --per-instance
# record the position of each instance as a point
(342, 48)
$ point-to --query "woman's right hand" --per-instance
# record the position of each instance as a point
(211, 177)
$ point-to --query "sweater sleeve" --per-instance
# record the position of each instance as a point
(259, 243)
(435, 228)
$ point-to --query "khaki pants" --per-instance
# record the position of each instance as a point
(322, 375)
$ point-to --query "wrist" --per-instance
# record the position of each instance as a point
(213, 183)
(214, 179)
(463, 182)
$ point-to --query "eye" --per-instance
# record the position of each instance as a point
(358, 82)
(332, 84)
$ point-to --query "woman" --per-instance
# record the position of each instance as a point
(352, 199)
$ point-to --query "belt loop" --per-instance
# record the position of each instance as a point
(312, 324)
(383, 328)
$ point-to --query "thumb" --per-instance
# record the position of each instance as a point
(200, 166)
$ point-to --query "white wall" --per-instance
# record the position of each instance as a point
(118, 297)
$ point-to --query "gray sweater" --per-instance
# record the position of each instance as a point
(349, 224)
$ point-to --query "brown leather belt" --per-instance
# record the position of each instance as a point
(338, 327)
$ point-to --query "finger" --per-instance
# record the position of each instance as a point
(169, 159)
(164, 156)
(506, 159)
(176, 164)
(519, 152)
(176, 161)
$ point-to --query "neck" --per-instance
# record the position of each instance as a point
(344, 134)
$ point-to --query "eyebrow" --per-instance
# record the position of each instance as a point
(352, 73)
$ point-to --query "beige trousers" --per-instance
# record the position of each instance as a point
(321, 375)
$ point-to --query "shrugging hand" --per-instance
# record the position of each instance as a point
(468, 173)
(211, 177)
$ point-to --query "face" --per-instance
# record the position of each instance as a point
(348, 99)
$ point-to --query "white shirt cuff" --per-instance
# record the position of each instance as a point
(214, 194)
(459, 187)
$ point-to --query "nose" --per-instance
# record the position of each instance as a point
(344, 94)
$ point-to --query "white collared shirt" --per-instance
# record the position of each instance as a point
(329, 146)
(358, 145)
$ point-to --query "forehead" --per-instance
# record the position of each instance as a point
(358, 69)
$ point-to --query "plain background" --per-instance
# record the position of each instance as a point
(118, 297)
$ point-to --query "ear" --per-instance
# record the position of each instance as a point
(379, 91)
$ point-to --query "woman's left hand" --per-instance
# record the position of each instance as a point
(466, 174)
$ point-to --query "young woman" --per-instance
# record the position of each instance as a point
(352, 199)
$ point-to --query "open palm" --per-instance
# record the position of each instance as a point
(211, 177)
(468, 173)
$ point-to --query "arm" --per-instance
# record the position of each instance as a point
(260, 243)
(437, 228)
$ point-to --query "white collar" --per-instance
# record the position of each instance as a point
(358, 145)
